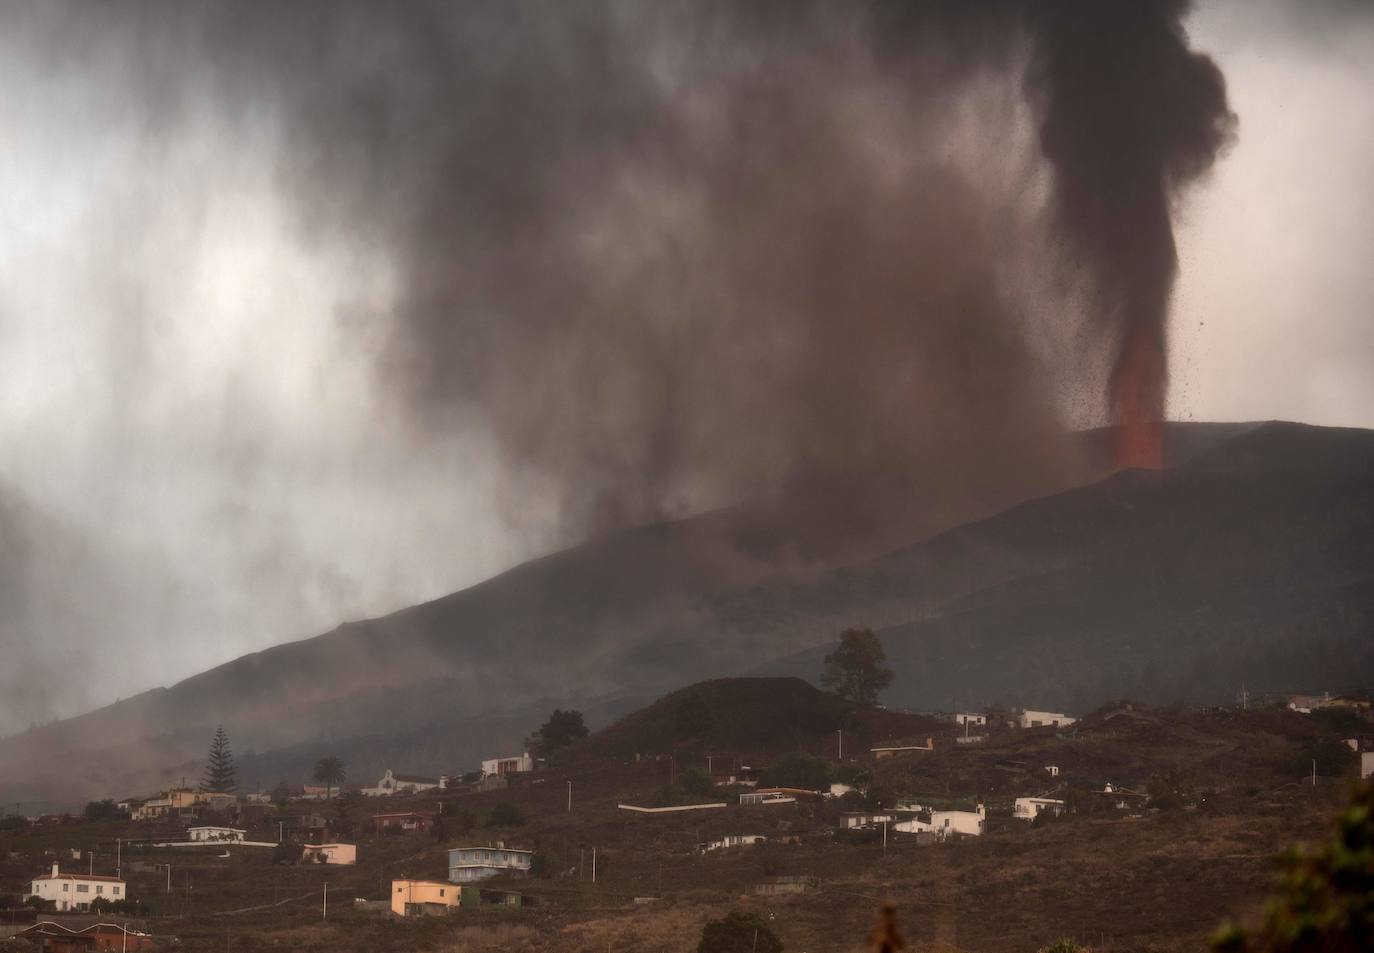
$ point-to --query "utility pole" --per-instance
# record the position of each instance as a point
(326, 901)
(840, 732)
(593, 865)
(569, 797)
(119, 857)
(1314, 772)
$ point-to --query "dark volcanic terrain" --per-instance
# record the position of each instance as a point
(1250, 560)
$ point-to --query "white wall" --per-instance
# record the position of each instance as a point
(1037, 719)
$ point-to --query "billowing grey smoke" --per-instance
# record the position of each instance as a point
(660, 255)
(679, 252)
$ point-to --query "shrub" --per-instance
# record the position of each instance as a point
(696, 782)
(102, 810)
(505, 814)
(738, 932)
(798, 771)
(1064, 946)
(460, 822)
(286, 853)
(1326, 901)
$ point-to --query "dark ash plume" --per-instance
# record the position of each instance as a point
(1131, 116)
(670, 255)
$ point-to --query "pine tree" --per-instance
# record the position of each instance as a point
(221, 777)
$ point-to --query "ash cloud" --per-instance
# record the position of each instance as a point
(685, 253)
(600, 263)
(1131, 116)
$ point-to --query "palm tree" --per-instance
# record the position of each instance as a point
(329, 772)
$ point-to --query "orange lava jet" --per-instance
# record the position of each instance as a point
(1137, 395)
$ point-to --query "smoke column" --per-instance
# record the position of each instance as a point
(1130, 117)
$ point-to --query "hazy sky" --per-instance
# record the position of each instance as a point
(188, 392)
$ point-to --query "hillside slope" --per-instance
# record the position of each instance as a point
(1252, 555)
(1253, 565)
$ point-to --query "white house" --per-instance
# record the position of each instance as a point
(946, 823)
(466, 864)
(733, 840)
(75, 891)
(516, 765)
(1052, 770)
(393, 783)
(1366, 764)
(1043, 719)
(1029, 808)
(329, 854)
(215, 835)
(974, 718)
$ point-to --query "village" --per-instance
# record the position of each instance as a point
(675, 803)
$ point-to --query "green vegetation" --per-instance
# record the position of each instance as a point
(220, 776)
(347, 813)
(738, 932)
(695, 782)
(856, 670)
(798, 771)
(1326, 902)
(330, 772)
(560, 731)
(101, 810)
(505, 814)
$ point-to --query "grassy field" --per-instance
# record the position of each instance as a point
(1160, 882)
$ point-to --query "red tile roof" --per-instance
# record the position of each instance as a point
(118, 880)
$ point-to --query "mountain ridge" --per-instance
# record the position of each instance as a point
(613, 620)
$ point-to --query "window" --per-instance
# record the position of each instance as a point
(116, 890)
(99, 888)
(441, 891)
(66, 886)
(83, 888)
(400, 889)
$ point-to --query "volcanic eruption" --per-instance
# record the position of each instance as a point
(1131, 116)
(655, 258)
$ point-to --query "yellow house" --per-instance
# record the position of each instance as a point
(418, 898)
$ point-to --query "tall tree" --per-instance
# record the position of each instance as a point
(329, 771)
(561, 730)
(221, 777)
(346, 811)
(857, 669)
